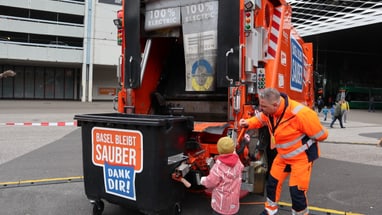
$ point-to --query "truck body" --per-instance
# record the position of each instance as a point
(210, 59)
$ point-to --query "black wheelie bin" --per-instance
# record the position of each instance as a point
(128, 159)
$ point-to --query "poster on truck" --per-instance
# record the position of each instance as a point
(199, 23)
(297, 66)
(120, 153)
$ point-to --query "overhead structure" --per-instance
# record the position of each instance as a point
(311, 17)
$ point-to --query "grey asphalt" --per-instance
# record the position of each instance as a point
(346, 178)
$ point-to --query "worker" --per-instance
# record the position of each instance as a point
(225, 179)
(320, 104)
(295, 130)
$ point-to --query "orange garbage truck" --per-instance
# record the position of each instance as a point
(209, 59)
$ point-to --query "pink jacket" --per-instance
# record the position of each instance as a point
(225, 179)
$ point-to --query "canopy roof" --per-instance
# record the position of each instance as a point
(311, 17)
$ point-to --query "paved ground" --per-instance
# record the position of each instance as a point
(362, 128)
(345, 179)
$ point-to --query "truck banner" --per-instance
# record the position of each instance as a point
(159, 18)
(199, 23)
(120, 153)
(297, 66)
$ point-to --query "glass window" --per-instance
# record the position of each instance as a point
(29, 83)
(19, 83)
(7, 87)
(59, 84)
(39, 83)
(69, 83)
(49, 83)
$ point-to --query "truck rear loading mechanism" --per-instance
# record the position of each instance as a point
(209, 60)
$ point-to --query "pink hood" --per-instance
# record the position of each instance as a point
(229, 159)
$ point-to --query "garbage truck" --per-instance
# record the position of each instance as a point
(207, 61)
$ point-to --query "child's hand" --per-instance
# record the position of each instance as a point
(202, 179)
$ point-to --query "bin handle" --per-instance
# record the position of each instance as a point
(179, 178)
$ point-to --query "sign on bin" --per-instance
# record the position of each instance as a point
(119, 152)
(119, 181)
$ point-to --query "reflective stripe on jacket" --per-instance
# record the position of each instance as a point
(298, 121)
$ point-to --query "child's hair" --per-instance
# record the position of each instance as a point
(225, 145)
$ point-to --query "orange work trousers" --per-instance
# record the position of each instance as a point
(299, 169)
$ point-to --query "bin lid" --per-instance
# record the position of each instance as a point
(133, 119)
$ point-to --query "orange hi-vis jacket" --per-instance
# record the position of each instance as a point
(294, 128)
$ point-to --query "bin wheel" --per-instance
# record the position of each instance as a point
(98, 207)
(177, 208)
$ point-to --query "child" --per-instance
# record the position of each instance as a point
(325, 111)
(332, 111)
(225, 179)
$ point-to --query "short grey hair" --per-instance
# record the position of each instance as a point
(270, 95)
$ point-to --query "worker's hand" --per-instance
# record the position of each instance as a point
(247, 138)
(243, 123)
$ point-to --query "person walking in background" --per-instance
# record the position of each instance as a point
(325, 111)
(371, 104)
(320, 104)
(225, 179)
(295, 130)
(345, 108)
(337, 114)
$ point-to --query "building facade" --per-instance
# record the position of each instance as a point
(59, 49)
(67, 50)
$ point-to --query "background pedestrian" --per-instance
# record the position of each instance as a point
(325, 111)
(345, 108)
(371, 104)
(337, 114)
(320, 104)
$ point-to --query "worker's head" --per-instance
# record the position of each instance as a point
(226, 145)
(269, 100)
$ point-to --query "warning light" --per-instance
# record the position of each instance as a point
(120, 36)
(248, 23)
(119, 23)
(261, 80)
